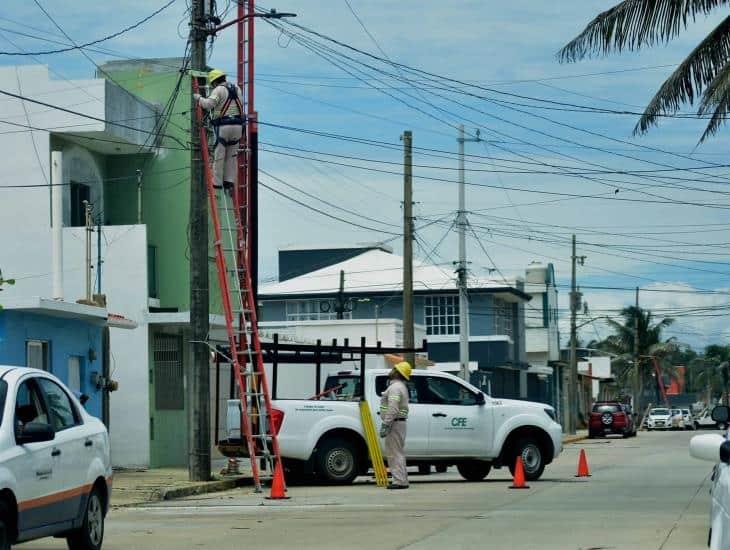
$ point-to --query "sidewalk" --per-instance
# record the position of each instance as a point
(580, 435)
(132, 487)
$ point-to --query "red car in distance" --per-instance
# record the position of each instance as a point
(611, 418)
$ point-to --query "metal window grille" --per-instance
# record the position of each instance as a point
(311, 310)
(36, 353)
(441, 314)
(169, 379)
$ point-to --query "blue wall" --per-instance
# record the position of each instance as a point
(66, 338)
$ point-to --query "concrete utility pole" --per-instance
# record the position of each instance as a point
(462, 222)
(199, 460)
(408, 336)
(637, 373)
(575, 298)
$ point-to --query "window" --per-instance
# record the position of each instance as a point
(152, 271)
(36, 354)
(75, 373)
(79, 194)
(442, 314)
(29, 406)
(312, 310)
(168, 378)
(502, 318)
(381, 382)
(441, 391)
(62, 412)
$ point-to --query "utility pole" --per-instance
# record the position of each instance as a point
(340, 307)
(408, 337)
(637, 370)
(462, 222)
(199, 459)
(575, 298)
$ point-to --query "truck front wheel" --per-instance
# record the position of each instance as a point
(474, 470)
(337, 461)
(532, 458)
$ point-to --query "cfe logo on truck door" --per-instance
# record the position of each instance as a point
(459, 423)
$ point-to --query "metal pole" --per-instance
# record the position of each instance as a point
(408, 336)
(637, 369)
(199, 462)
(87, 208)
(573, 377)
(461, 271)
(57, 222)
(98, 254)
(139, 196)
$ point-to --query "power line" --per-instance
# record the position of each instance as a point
(97, 41)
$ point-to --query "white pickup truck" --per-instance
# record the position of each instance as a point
(450, 422)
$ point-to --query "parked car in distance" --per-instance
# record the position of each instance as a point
(715, 448)
(659, 418)
(610, 417)
(55, 464)
(677, 420)
(704, 420)
(689, 421)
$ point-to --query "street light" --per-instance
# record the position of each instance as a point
(271, 14)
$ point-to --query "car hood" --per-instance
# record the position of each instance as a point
(660, 416)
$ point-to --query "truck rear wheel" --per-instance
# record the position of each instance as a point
(337, 461)
(532, 458)
(474, 470)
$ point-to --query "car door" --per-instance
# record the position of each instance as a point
(418, 419)
(33, 463)
(72, 449)
(458, 424)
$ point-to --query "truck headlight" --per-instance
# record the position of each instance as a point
(551, 414)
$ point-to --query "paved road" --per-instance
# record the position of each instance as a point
(645, 493)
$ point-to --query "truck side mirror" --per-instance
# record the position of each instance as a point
(480, 399)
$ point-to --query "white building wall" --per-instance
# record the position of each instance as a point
(27, 257)
(26, 154)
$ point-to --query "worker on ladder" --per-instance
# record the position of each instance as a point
(224, 100)
(394, 412)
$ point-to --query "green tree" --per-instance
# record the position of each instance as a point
(621, 345)
(705, 73)
(711, 372)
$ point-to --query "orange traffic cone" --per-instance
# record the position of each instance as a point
(278, 487)
(519, 479)
(583, 465)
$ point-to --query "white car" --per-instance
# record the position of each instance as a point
(55, 465)
(689, 421)
(716, 448)
(659, 419)
(704, 420)
(449, 422)
(677, 421)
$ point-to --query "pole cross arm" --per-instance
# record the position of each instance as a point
(272, 14)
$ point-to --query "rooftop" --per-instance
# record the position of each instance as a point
(378, 271)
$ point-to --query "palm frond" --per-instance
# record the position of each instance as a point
(699, 70)
(716, 100)
(632, 24)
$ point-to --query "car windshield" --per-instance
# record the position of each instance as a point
(3, 396)
(660, 412)
(676, 411)
(685, 411)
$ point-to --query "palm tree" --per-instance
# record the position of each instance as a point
(633, 24)
(621, 345)
(717, 369)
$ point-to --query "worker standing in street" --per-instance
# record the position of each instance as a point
(224, 100)
(394, 412)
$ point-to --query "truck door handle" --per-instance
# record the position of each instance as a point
(88, 443)
(439, 415)
(56, 452)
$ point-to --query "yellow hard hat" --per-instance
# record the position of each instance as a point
(404, 367)
(214, 75)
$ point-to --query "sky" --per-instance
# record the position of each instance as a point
(659, 228)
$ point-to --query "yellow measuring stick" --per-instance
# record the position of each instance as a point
(376, 456)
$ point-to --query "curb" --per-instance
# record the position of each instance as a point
(200, 489)
(574, 439)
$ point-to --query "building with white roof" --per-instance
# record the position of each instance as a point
(366, 282)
